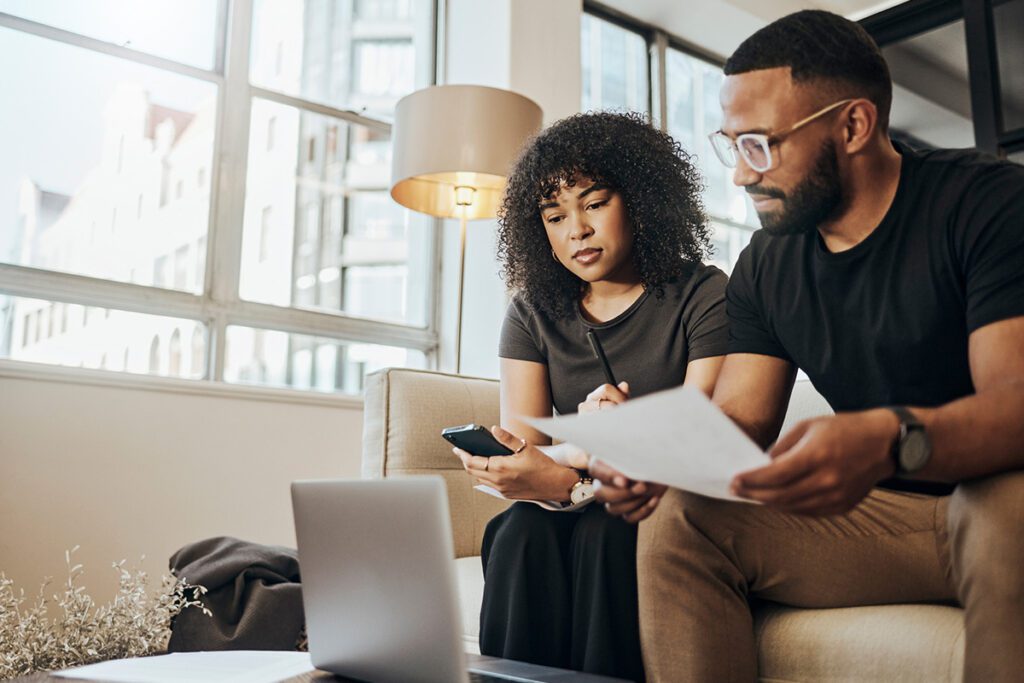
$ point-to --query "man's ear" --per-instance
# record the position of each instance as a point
(860, 123)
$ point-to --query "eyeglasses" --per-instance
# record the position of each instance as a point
(756, 148)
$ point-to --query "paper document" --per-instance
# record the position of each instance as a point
(238, 666)
(675, 437)
(546, 504)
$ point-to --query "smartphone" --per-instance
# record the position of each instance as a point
(474, 439)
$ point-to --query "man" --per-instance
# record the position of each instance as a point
(895, 280)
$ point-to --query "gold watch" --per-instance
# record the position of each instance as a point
(583, 489)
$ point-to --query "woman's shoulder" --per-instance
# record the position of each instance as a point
(698, 280)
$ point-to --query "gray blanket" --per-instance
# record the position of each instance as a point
(254, 594)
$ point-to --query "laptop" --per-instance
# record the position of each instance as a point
(379, 586)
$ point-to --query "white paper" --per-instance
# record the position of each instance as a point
(546, 504)
(675, 437)
(236, 666)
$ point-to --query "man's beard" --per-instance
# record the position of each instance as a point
(812, 202)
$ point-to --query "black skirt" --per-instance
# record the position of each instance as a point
(560, 590)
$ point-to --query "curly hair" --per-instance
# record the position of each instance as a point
(660, 189)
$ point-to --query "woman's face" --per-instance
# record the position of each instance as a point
(589, 231)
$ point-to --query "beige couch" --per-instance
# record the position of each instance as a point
(405, 412)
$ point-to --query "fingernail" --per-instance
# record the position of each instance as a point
(619, 481)
(597, 485)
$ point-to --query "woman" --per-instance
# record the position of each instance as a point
(602, 229)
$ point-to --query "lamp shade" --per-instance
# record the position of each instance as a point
(458, 136)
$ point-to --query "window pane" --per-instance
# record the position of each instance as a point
(615, 67)
(728, 241)
(104, 170)
(273, 358)
(88, 337)
(361, 56)
(182, 30)
(1008, 19)
(321, 230)
(693, 113)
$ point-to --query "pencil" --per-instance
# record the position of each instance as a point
(595, 344)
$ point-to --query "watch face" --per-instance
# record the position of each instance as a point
(581, 492)
(914, 451)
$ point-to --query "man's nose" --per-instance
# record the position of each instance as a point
(744, 176)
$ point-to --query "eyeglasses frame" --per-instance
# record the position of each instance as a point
(767, 141)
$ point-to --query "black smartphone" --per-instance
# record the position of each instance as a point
(474, 439)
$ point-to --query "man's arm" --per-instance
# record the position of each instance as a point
(827, 465)
(754, 391)
(982, 434)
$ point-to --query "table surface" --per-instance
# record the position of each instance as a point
(311, 676)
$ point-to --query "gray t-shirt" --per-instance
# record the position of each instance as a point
(648, 345)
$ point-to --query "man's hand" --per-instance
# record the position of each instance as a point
(604, 397)
(526, 475)
(826, 465)
(634, 501)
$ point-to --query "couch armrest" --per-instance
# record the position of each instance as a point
(404, 413)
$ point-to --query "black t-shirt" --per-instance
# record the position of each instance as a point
(887, 322)
(648, 345)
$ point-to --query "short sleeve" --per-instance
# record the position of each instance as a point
(990, 227)
(517, 341)
(704, 317)
(749, 331)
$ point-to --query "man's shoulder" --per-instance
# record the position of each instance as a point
(765, 248)
(963, 168)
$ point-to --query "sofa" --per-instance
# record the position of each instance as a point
(405, 411)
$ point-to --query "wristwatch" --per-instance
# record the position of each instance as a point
(583, 489)
(912, 448)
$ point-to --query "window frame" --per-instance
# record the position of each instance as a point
(219, 304)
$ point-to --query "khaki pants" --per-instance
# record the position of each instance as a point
(700, 559)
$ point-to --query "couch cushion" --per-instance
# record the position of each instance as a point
(886, 642)
(405, 411)
(876, 643)
(471, 595)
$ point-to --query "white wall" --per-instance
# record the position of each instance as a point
(131, 466)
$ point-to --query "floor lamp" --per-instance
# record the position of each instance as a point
(452, 146)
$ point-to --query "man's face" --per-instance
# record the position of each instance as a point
(803, 188)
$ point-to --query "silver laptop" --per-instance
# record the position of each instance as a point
(379, 585)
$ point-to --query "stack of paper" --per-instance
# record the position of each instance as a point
(238, 666)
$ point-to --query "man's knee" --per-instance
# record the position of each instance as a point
(986, 527)
(678, 528)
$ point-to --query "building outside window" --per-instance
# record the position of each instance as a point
(317, 243)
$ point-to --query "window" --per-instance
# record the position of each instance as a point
(116, 187)
(693, 111)
(616, 75)
(615, 67)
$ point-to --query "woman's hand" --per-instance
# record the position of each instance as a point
(528, 474)
(604, 397)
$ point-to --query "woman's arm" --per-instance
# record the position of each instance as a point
(703, 373)
(530, 473)
(525, 392)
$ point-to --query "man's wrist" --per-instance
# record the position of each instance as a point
(890, 429)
